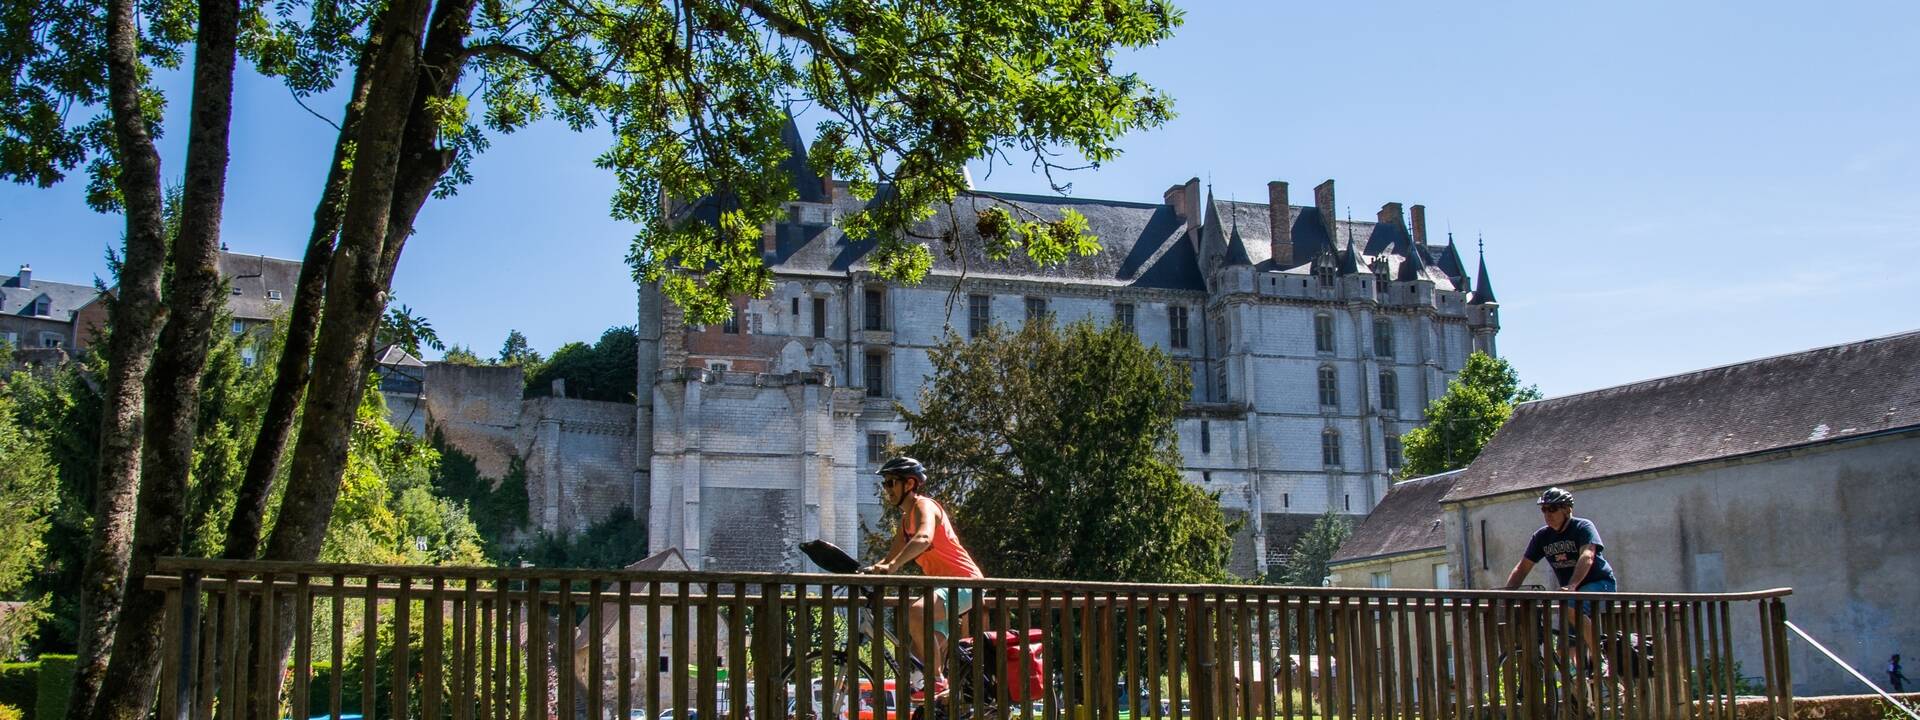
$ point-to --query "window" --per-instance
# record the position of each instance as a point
(819, 317)
(1177, 327)
(1346, 503)
(755, 325)
(42, 307)
(10, 338)
(1382, 338)
(1286, 500)
(1389, 391)
(877, 448)
(731, 325)
(979, 315)
(1323, 333)
(1325, 274)
(1442, 576)
(718, 368)
(236, 292)
(273, 296)
(873, 305)
(247, 357)
(1206, 437)
(1036, 308)
(51, 340)
(1393, 453)
(876, 374)
(1329, 386)
(1383, 579)
(239, 327)
(796, 307)
(1330, 448)
(1123, 315)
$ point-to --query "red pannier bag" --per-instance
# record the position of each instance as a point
(1025, 673)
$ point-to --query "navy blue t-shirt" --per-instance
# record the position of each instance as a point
(1562, 550)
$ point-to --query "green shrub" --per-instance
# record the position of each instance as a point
(9, 712)
(54, 687)
(19, 686)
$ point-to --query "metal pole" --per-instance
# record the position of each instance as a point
(1891, 700)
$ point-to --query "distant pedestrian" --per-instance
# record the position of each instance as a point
(1894, 678)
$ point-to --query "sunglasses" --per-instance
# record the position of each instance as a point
(1554, 508)
(891, 480)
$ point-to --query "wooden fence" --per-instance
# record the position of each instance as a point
(262, 641)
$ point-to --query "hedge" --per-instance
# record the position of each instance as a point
(55, 686)
(19, 686)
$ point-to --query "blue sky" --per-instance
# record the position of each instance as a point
(1662, 186)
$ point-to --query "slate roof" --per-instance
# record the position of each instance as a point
(63, 298)
(1482, 287)
(1805, 398)
(1406, 520)
(252, 277)
(399, 357)
(1144, 244)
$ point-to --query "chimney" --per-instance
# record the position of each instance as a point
(1390, 214)
(26, 276)
(1280, 219)
(1185, 200)
(826, 186)
(1323, 201)
(1420, 225)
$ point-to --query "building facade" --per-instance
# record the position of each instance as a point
(1313, 344)
(37, 315)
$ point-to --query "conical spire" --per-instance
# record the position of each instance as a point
(1482, 289)
(1414, 266)
(1349, 258)
(806, 183)
(1451, 264)
(1237, 247)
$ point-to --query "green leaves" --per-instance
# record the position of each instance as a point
(1457, 425)
(1055, 450)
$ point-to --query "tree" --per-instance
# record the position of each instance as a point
(516, 351)
(1056, 451)
(1458, 424)
(458, 354)
(603, 371)
(1307, 565)
(29, 493)
(695, 93)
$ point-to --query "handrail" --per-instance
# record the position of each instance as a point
(1849, 668)
(176, 565)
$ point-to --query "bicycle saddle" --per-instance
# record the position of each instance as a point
(830, 557)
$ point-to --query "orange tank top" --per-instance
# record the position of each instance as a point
(946, 557)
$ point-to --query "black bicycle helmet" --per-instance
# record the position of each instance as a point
(1555, 496)
(903, 465)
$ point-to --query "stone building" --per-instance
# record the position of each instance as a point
(1400, 544)
(38, 315)
(1791, 471)
(1313, 344)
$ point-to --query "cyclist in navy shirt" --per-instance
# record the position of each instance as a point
(1571, 546)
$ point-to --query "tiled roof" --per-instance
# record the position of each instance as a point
(1407, 519)
(1805, 398)
(63, 298)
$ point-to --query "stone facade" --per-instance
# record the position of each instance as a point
(766, 430)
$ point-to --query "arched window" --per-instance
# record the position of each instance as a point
(1330, 448)
(1329, 386)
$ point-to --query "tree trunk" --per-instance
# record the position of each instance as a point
(133, 316)
(173, 382)
(355, 296)
(295, 367)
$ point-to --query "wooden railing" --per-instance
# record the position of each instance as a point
(255, 640)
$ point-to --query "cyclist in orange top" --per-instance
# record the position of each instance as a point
(925, 538)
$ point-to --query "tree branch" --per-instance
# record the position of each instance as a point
(523, 55)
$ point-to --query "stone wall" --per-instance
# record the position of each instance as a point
(477, 409)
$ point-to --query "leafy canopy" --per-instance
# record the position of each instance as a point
(1307, 564)
(602, 371)
(1458, 424)
(1055, 450)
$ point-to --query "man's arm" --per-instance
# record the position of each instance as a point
(1519, 573)
(1580, 568)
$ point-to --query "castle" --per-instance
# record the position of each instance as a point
(1314, 343)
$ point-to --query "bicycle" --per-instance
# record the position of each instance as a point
(1561, 691)
(853, 677)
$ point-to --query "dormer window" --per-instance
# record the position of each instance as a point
(273, 295)
(42, 307)
(1325, 273)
